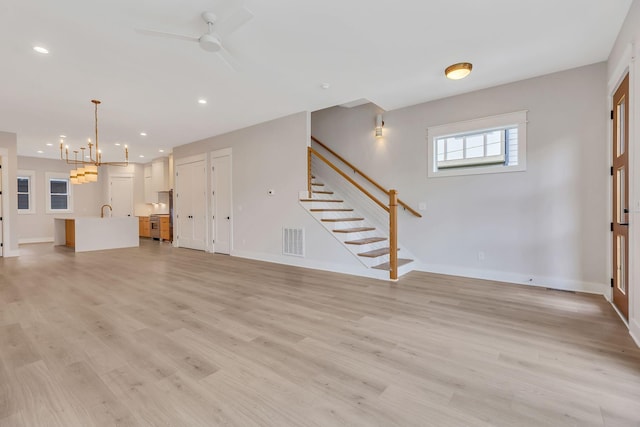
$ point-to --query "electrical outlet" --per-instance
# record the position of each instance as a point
(480, 256)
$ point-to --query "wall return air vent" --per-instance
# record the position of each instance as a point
(293, 241)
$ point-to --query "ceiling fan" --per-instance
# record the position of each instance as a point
(218, 28)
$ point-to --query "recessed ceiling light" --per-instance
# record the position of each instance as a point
(49, 144)
(40, 151)
(202, 101)
(161, 150)
(41, 49)
(143, 134)
(63, 136)
(118, 144)
(141, 156)
(325, 86)
(458, 71)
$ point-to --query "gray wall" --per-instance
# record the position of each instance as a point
(8, 152)
(272, 155)
(545, 226)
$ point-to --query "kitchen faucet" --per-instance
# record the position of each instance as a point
(102, 210)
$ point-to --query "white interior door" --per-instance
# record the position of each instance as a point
(184, 226)
(221, 201)
(199, 205)
(191, 205)
(121, 196)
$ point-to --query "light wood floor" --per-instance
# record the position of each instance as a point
(157, 336)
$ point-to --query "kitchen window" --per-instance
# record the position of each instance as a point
(487, 145)
(59, 193)
(26, 197)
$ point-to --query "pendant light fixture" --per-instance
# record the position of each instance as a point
(88, 170)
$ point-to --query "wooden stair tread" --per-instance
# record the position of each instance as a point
(386, 266)
(322, 200)
(366, 241)
(331, 210)
(317, 184)
(322, 192)
(354, 230)
(341, 219)
(375, 253)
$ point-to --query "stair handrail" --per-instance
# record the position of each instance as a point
(348, 178)
(364, 175)
(391, 209)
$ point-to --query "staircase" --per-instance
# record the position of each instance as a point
(367, 241)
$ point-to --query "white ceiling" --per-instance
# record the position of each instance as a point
(390, 52)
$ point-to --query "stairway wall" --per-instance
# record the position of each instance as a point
(546, 226)
(272, 155)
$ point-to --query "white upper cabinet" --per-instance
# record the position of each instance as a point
(156, 178)
(160, 175)
(149, 195)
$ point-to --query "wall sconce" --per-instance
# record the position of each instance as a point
(379, 125)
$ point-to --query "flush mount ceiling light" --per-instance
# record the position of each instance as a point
(458, 71)
(202, 101)
(41, 49)
(143, 134)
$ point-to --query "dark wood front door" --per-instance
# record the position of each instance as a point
(621, 197)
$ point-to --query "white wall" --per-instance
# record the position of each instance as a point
(87, 198)
(38, 227)
(622, 59)
(8, 152)
(272, 155)
(546, 226)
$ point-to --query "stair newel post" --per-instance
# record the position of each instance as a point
(393, 234)
(309, 172)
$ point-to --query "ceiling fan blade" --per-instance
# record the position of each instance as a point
(234, 21)
(155, 33)
(228, 59)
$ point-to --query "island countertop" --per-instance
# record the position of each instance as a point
(94, 233)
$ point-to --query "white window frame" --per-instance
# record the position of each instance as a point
(31, 175)
(516, 119)
(47, 182)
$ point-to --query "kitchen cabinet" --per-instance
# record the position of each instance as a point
(156, 178)
(160, 174)
(70, 233)
(165, 229)
(144, 226)
(149, 196)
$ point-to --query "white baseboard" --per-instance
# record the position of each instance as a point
(355, 270)
(517, 278)
(10, 254)
(634, 331)
(35, 240)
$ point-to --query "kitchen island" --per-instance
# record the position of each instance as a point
(94, 233)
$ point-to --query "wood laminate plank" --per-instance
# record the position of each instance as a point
(158, 335)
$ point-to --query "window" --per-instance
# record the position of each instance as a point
(26, 198)
(488, 145)
(59, 194)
